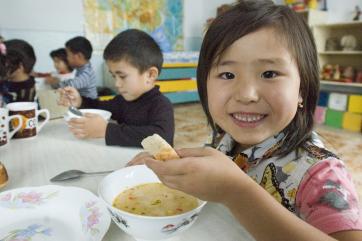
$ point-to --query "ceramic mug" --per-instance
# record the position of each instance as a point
(30, 113)
(5, 133)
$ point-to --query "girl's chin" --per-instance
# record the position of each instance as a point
(249, 140)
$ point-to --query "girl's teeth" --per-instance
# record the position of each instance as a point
(248, 118)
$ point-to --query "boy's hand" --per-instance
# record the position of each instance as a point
(69, 96)
(203, 172)
(51, 80)
(89, 126)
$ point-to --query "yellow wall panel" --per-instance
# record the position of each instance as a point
(352, 121)
(177, 85)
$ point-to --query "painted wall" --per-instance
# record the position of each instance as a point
(48, 24)
(340, 11)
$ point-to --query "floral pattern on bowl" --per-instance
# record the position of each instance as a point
(53, 213)
(170, 228)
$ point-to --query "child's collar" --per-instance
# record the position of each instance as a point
(255, 153)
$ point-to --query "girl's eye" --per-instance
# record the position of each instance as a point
(227, 75)
(269, 74)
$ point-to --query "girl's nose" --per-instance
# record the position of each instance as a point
(246, 92)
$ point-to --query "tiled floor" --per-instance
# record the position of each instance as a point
(192, 131)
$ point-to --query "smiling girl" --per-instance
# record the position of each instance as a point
(258, 83)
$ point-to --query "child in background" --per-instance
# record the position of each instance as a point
(61, 64)
(79, 51)
(258, 83)
(2, 68)
(18, 59)
(134, 59)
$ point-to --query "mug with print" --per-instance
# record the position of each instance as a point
(30, 113)
(5, 133)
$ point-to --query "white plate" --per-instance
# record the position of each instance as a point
(53, 213)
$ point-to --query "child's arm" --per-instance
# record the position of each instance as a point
(113, 105)
(82, 80)
(210, 175)
(53, 81)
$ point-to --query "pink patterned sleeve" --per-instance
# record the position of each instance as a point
(327, 198)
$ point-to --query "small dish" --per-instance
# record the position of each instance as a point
(104, 113)
(52, 213)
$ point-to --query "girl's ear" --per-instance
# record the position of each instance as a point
(300, 99)
(300, 102)
(152, 74)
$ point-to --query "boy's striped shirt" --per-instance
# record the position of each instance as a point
(84, 81)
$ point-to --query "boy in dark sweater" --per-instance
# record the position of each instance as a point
(18, 58)
(134, 59)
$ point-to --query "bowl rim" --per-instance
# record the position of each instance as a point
(101, 112)
(95, 109)
(202, 203)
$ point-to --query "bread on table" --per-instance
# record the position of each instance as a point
(159, 148)
(3, 176)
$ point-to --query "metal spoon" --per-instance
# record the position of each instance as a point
(72, 108)
(75, 111)
(73, 174)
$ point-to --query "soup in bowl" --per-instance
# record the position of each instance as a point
(143, 207)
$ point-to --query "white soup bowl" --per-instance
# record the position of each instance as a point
(142, 227)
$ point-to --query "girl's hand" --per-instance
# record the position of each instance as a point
(203, 172)
(139, 159)
(69, 96)
(89, 126)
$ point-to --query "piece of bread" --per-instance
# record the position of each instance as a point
(159, 148)
(3, 176)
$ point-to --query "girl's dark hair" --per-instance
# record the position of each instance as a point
(19, 52)
(248, 16)
(136, 47)
(81, 45)
(61, 54)
(2, 67)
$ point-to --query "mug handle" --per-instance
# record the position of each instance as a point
(20, 118)
(38, 128)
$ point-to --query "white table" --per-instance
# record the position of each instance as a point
(33, 162)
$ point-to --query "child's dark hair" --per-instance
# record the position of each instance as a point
(2, 67)
(18, 52)
(137, 48)
(2, 61)
(62, 55)
(246, 17)
(80, 45)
